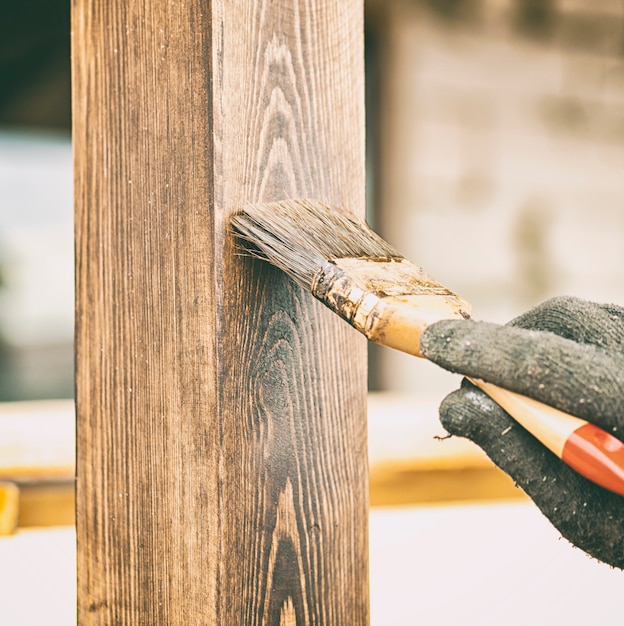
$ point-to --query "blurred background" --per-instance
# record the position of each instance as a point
(36, 212)
(495, 152)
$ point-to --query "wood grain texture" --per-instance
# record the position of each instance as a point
(221, 435)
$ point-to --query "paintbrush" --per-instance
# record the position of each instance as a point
(358, 275)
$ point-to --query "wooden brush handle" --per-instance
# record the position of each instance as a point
(399, 321)
(589, 450)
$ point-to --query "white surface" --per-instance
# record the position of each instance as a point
(38, 578)
(37, 435)
(405, 428)
(484, 565)
(477, 565)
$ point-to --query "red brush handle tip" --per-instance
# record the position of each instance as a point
(597, 455)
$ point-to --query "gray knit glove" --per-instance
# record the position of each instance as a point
(569, 354)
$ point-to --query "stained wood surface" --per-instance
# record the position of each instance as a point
(221, 436)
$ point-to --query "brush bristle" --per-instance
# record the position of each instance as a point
(300, 236)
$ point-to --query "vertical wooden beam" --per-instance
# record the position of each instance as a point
(222, 461)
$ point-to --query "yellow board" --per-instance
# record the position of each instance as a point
(9, 508)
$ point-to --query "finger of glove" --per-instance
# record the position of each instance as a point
(577, 378)
(587, 515)
(582, 321)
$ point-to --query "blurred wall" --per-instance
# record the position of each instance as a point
(500, 148)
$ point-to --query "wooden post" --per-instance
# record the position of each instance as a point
(222, 460)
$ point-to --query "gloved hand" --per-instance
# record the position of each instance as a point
(567, 353)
